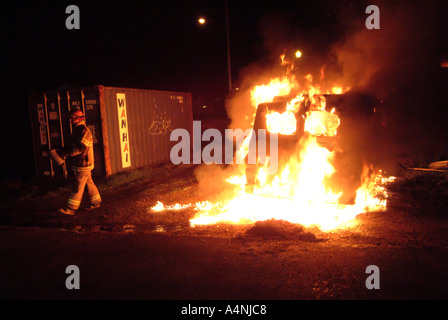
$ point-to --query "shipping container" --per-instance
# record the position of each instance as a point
(131, 127)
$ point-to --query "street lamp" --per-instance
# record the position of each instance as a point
(229, 71)
(202, 21)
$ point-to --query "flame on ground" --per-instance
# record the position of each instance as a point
(298, 195)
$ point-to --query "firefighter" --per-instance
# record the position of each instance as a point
(81, 150)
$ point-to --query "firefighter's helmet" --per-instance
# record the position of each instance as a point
(77, 116)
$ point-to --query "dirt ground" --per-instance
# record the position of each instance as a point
(125, 251)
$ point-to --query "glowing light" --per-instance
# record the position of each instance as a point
(282, 123)
(298, 54)
(277, 87)
(321, 123)
(337, 90)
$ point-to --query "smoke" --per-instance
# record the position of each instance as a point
(392, 110)
(399, 65)
(393, 69)
(282, 32)
(377, 61)
(211, 185)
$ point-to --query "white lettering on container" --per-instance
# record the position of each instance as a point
(123, 129)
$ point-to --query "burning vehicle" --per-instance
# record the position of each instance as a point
(299, 119)
(308, 188)
(293, 119)
(319, 182)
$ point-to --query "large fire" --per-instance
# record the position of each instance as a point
(300, 192)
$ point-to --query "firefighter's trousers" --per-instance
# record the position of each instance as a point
(83, 179)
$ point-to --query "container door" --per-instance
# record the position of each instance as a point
(47, 133)
(93, 121)
(52, 129)
(87, 100)
(55, 131)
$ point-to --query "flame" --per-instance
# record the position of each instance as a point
(277, 87)
(301, 191)
(161, 207)
(298, 195)
(337, 90)
(281, 123)
(321, 123)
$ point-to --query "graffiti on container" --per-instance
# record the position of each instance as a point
(160, 125)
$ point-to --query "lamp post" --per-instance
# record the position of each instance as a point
(202, 21)
(229, 70)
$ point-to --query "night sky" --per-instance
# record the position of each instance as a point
(159, 45)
